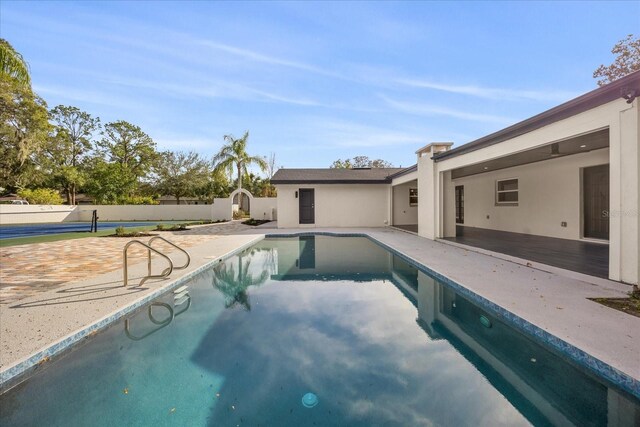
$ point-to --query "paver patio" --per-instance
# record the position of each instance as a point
(26, 270)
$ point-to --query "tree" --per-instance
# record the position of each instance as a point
(234, 154)
(13, 65)
(181, 174)
(216, 185)
(68, 147)
(627, 61)
(269, 190)
(255, 185)
(24, 128)
(341, 164)
(127, 145)
(379, 163)
(41, 196)
(110, 183)
(271, 165)
(234, 286)
(360, 162)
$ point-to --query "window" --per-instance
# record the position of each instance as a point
(459, 204)
(413, 197)
(507, 192)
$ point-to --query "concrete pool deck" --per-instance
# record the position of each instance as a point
(552, 301)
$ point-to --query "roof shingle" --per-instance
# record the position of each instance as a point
(335, 176)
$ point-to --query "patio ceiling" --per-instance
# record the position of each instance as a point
(579, 144)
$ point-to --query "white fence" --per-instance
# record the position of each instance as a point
(31, 214)
(260, 208)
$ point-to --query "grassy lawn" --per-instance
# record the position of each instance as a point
(66, 236)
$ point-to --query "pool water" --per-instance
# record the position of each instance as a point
(375, 342)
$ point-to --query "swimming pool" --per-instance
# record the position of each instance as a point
(377, 341)
(31, 230)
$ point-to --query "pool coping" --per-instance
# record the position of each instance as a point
(22, 369)
(583, 359)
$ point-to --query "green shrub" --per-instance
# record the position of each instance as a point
(161, 227)
(41, 196)
(240, 214)
(120, 231)
(138, 200)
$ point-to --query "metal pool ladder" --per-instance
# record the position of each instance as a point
(165, 273)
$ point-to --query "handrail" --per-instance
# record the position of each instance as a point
(166, 272)
(175, 246)
(188, 301)
(161, 324)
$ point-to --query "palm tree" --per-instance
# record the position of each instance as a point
(234, 286)
(234, 154)
(12, 64)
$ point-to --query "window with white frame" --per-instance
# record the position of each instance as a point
(507, 191)
(413, 197)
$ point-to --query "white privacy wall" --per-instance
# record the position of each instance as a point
(34, 214)
(218, 210)
(337, 205)
(549, 193)
(261, 208)
(264, 208)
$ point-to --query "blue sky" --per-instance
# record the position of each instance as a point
(314, 82)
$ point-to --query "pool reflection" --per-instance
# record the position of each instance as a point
(359, 336)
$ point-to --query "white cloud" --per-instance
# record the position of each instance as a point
(491, 93)
(420, 109)
(338, 133)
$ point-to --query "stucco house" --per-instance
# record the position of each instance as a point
(562, 186)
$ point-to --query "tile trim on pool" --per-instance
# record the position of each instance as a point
(604, 370)
(12, 375)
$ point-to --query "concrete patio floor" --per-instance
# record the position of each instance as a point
(555, 302)
(576, 255)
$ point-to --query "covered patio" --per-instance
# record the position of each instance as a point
(404, 200)
(547, 204)
(576, 255)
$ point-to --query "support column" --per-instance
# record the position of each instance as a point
(429, 190)
(624, 222)
(448, 206)
(428, 303)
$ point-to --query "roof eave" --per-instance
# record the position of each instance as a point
(404, 172)
(330, 181)
(588, 101)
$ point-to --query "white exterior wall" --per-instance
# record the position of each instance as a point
(403, 213)
(623, 122)
(549, 193)
(337, 205)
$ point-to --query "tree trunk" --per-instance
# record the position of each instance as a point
(177, 200)
(239, 186)
(69, 201)
(73, 194)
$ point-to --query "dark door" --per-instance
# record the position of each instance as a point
(307, 258)
(595, 196)
(307, 206)
(460, 204)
